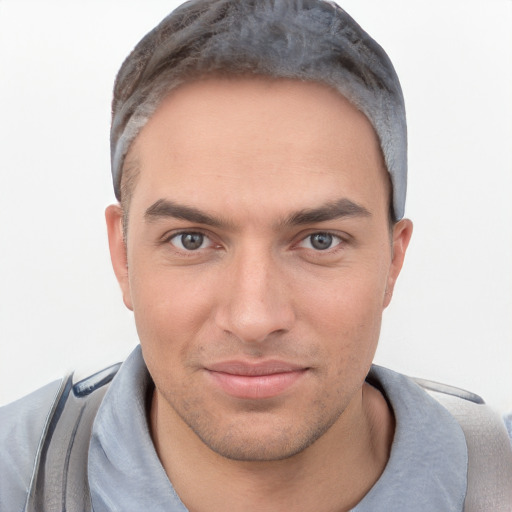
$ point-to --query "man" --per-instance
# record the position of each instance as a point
(259, 159)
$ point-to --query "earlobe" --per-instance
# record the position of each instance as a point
(402, 232)
(117, 246)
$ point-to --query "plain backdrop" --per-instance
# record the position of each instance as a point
(60, 308)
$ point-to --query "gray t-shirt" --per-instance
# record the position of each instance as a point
(426, 470)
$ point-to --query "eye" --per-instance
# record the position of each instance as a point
(320, 241)
(190, 241)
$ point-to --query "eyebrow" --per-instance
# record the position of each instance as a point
(329, 211)
(164, 208)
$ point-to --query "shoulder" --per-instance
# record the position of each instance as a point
(476, 418)
(508, 423)
(56, 421)
(469, 410)
(21, 425)
(487, 443)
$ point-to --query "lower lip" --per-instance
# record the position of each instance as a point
(256, 387)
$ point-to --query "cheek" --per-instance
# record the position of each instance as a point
(346, 297)
(170, 312)
(347, 310)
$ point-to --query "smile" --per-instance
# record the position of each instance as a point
(255, 381)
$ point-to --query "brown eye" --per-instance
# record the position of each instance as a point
(190, 241)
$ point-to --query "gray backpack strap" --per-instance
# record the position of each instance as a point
(489, 448)
(59, 479)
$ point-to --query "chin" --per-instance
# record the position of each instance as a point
(249, 443)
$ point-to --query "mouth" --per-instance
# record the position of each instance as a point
(255, 381)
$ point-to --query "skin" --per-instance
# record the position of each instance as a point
(259, 171)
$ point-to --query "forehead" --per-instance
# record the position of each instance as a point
(252, 137)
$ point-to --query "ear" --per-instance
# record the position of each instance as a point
(117, 246)
(402, 232)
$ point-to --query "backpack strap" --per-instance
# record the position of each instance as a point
(489, 448)
(59, 479)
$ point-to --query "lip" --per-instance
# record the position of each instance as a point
(255, 381)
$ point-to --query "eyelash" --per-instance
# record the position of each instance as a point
(330, 249)
(341, 241)
(168, 239)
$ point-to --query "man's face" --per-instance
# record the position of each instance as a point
(259, 260)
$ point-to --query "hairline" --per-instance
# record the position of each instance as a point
(344, 58)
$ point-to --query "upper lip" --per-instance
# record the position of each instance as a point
(245, 368)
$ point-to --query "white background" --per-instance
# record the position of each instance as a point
(451, 318)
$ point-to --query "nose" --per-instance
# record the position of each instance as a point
(256, 303)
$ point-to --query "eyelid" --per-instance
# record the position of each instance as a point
(170, 235)
(336, 235)
(177, 241)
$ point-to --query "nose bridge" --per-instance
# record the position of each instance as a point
(256, 301)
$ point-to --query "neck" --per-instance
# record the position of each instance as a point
(331, 475)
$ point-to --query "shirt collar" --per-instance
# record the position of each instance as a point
(427, 467)
(124, 470)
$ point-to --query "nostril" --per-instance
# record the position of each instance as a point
(250, 322)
